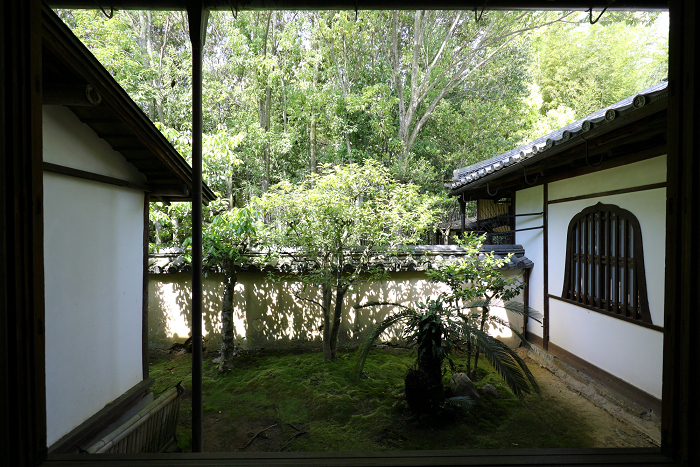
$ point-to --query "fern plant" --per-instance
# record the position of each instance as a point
(463, 317)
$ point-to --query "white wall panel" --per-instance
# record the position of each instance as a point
(70, 143)
(530, 201)
(630, 352)
(93, 259)
(641, 173)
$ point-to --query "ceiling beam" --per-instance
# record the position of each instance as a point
(228, 5)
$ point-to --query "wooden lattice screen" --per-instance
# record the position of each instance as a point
(605, 262)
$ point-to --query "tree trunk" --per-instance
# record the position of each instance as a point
(265, 125)
(327, 292)
(228, 332)
(484, 314)
(312, 145)
(337, 320)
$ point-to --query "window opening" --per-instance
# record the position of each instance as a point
(605, 262)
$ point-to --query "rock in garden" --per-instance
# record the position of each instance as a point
(461, 385)
(490, 390)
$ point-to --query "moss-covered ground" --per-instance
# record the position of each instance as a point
(316, 405)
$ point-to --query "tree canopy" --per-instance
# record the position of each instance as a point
(344, 224)
(420, 92)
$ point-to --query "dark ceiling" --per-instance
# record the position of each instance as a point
(658, 5)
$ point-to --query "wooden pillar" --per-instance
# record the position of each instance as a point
(197, 17)
(144, 298)
(22, 363)
(462, 214)
(680, 429)
(545, 265)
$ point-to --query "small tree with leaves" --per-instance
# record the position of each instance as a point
(477, 284)
(463, 316)
(343, 224)
(225, 241)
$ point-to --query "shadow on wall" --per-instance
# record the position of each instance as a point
(273, 311)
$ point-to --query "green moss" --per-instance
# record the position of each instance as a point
(340, 415)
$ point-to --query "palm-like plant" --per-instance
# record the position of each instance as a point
(463, 317)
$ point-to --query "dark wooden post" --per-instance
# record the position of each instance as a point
(462, 214)
(680, 428)
(198, 29)
(545, 265)
(22, 382)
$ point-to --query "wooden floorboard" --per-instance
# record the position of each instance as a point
(520, 457)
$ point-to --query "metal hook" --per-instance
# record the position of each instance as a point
(478, 18)
(488, 191)
(111, 10)
(590, 14)
(527, 182)
(234, 10)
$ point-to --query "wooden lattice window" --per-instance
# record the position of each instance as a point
(605, 262)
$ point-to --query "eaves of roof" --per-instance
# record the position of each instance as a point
(67, 65)
(559, 5)
(607, 119)
(415, 258)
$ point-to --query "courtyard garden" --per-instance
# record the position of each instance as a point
(296, 401)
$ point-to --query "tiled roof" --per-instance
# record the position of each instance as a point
(468, 175)
(416, 258)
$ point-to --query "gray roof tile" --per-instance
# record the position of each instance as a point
(467, 175)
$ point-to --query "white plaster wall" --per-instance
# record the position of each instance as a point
(93, 260)
(268, 314)
(526, 202)
(72, 144)
(628, 351)
(641, 173)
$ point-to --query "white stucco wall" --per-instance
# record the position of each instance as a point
(270, 313)
(527, 202)
(93, 260)
(628, 351)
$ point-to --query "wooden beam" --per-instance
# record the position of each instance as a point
(22, 382)
(71, 94)
(680, 429)
(545, 265)
(225, 5)
(634, 189)
(86, 431)
(144, 297)
(77, 173)
(197, 18)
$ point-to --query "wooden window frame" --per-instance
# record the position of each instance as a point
(605, 263)
(21, 273)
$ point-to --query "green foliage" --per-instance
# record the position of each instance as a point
(345, 219)
(462, 318)
(286, 92)
(344, 224)
(227, 237)
(342, 415)
(579, 68)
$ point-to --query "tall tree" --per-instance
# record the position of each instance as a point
(336, 223)
(434, 53)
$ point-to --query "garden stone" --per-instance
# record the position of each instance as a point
(461, 385)
(490, 390)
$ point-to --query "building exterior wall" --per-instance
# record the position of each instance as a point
(629, 351)
(93, 258)
(269, 313)
(527, 202)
